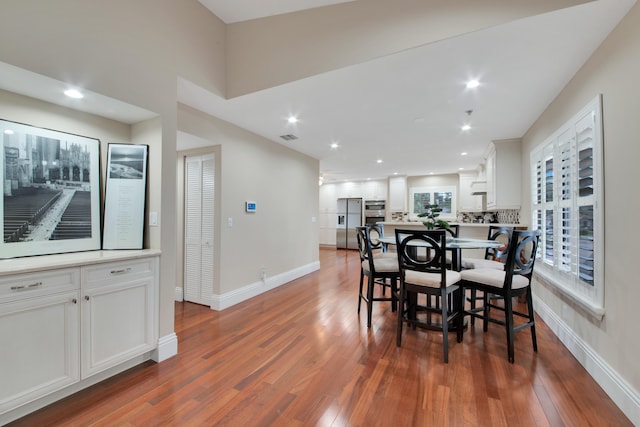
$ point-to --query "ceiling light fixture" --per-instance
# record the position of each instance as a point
(292, 119)
(472, 83)
(379, 161)
(465, 127)
(334, 145)
(73, 93)
(464, 153)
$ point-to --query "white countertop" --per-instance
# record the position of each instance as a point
(73, 259)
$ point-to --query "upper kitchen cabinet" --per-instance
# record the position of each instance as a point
(374, 190)
(397, 194)
(467, 200)
(503, 173)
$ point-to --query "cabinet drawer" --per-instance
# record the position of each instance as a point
(117, 272)
(41, 283)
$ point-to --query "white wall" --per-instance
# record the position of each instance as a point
(608, 348)
(281, 236)
(133, 52)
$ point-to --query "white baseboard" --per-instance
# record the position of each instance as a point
(220, 302)
(167, 347)
(622, 394)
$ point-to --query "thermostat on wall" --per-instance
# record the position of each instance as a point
(250, 206)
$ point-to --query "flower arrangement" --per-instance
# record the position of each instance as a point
(431, 215)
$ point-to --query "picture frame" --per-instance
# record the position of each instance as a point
(51, 191)
(125, 196)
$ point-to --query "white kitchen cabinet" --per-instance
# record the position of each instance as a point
(503, 169)
(71, 316)
(468, 202)
(397, 194)
(374, 190)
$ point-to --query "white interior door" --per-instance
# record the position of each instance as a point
(199, 226)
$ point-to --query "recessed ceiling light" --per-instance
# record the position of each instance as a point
(379, 161)
(395, 173)
(465, 127)
(460, 169)
(8, 131)
(73, 93)
(464, 153)
(292, 119)
(334, 145)
(472, 83)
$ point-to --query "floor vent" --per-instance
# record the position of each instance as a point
(288, 137)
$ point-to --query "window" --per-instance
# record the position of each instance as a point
(567, 207)
(444, 197)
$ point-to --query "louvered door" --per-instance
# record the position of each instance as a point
(199, 228)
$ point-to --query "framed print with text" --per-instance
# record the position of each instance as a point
(125, 196)
(51, 191)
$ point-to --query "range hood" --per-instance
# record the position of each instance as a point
(478, 187)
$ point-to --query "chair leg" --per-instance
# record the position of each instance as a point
(445, 323)
(370, 300)
(532, 319)
(394, 294)
(401, 309)
(360, 296)
(508, 314)
(459, 309)
(485, 312)
(472, 300)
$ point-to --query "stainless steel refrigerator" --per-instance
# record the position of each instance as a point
(349, 217)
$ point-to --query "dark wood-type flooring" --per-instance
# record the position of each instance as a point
(301, 356)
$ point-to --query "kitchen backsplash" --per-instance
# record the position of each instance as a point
(502, 216)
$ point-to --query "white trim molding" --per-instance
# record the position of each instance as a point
(167, 347)
(220, 302)
(622, 394)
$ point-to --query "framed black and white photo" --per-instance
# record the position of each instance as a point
(124, 204)
(51, 191)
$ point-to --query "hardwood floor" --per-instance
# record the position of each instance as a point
(300, 355)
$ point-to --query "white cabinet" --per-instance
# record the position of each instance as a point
(39, 335)
(468, 202)
(64, 322)
(503, 170)
(374, 190)
(118, 313)
(398, 194)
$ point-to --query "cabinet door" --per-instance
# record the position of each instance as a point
(491, 179)
(40, 340)
(118, 316)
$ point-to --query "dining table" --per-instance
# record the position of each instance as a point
(454, 244)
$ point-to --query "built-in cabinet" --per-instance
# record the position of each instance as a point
(503, 171)
(70, 320)
(467, 201)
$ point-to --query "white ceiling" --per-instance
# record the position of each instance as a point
(407, 109)
(230, 11)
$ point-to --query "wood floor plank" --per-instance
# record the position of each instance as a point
(300, 355)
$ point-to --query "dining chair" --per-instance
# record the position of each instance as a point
(493, 258)
(420, 274)
(380, 270)
(513, 281)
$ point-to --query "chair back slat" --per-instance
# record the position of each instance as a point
(500, 234)
(423, 251)
(521, 258)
